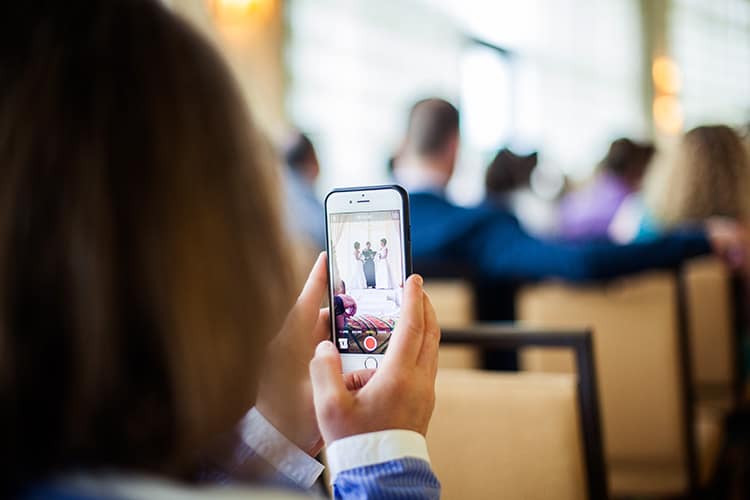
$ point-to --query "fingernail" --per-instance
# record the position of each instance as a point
(418, 280)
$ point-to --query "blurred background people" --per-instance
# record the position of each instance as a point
(506, 174)
(490, 242)
(430, 147)
(305, 214)
(508, 183)
(588, 212)
(708, 175)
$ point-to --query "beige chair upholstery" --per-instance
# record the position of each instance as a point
(637, 356)
(709, 300)
(628, 478)
(496, 435)
(454, 303)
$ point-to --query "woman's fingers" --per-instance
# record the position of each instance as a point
(305, 315)
(406, 340)
(428, 357)
(315, 287)
(322, 330)
(329, 391)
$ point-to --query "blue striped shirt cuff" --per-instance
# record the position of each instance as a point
(371, 448)
(406, 478)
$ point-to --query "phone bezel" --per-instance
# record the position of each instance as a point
(351, 362)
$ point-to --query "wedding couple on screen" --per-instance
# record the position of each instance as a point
(370, 268)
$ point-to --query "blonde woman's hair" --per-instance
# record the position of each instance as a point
(142, 262)
(707, 175)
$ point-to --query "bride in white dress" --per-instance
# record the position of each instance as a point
(357, 280)
(382, 269)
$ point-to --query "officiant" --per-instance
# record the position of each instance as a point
(368, 255)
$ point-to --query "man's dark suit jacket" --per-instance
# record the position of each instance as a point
(491, 244)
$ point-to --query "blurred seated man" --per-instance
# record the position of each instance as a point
(588, 212)
(489, 242)
(304, 211)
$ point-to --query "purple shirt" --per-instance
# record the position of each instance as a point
(588, 212)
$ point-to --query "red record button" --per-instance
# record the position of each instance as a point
(370, 343)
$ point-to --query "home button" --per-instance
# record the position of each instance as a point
(371, 362)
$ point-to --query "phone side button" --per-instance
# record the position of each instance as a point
(371, 363)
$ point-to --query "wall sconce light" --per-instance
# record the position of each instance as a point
(667, 109)
(666, 75)
(667, 112)
(240, 11)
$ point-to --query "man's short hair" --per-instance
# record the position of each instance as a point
(432, 123)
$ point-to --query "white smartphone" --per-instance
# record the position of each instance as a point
(369, 258)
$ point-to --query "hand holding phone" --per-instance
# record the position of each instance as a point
(399, 395)
(284, 392)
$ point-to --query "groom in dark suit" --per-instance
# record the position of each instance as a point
(368, 256)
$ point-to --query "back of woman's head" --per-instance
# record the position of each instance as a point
(708, 175)
(628, 160)
(141, 258)
(508, 172)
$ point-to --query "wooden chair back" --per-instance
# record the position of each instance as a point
(710, 312)
(453, 300)
(507, 435)
(640, 358)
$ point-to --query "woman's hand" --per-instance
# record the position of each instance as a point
(284, 392)
(399, 395)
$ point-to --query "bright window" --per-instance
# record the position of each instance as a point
(572, 85)
(710, 42)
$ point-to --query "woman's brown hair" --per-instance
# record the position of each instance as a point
(142, 264)
(708, 175)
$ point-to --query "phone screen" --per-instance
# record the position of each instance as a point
(367, 254)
